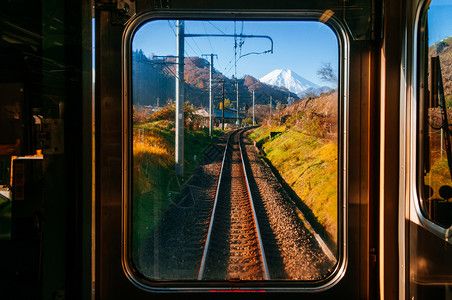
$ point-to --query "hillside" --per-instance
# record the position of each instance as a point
(154, 78)
(305, 155)
(443, 49)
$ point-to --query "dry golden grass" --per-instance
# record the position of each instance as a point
(154, 169)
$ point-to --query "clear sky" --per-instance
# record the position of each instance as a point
(301, 46)
(439, 20)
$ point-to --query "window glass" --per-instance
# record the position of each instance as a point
(200, 87)
(436, 110)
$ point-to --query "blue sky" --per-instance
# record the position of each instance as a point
(298, 45)
(439, 20)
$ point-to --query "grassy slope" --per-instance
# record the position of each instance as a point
(306, 158)
(154, 177)
(438, 176)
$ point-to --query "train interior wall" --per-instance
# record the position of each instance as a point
(64, 239)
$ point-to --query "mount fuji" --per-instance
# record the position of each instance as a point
(293, 82)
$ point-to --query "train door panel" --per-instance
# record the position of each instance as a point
(114, 267)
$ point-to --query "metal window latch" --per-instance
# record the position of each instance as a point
(373, 257)
(52, 136)
(122, 11)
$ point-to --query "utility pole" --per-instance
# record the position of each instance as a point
(179, 151)
(179, 147)
(235, 55)
(210, 93)
(254, 120)
(222, 109)
(270, 108)
(237, 88)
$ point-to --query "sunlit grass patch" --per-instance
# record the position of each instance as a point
(154, 178)
(309, 166)
(438, 176)
(305, 155)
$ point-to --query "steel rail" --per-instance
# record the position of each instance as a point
(206, 247)
(256, 223)
(265, 271)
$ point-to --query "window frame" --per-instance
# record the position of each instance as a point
(338, 273)
(420, 55)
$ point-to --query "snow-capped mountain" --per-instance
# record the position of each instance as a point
(293, 82)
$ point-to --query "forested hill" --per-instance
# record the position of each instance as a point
(443, 49)
(154, 80)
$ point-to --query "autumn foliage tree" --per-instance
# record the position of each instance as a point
(227, 104)
(168, 113)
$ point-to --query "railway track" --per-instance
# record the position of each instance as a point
(233, 249)
(208, 231)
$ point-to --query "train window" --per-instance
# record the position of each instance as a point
(436, 113)
(235, 155)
